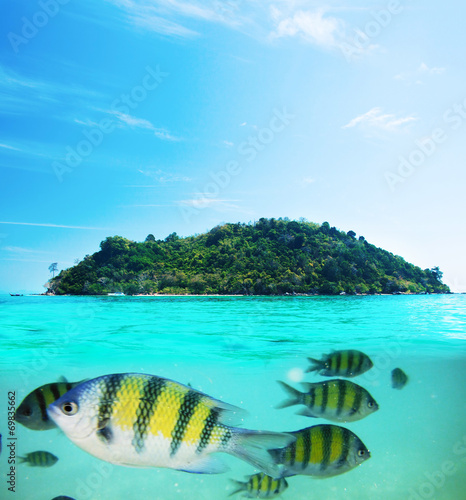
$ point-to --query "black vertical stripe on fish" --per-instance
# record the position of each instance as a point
(357, 401)
(209, 425)
(324, 397)
(68, 386)
(112, 385)
(307, 437)
(186, 411)
(341, 396)
(361, 361)
(327, 436)
(338, 361)
(151, 391)
(105, 434)
(345, 447)
(42, 405)
(313, 398)
(55, 391)
(292, 452)
(350, 360)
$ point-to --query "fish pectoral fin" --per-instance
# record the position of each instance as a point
(306, 412)
(206, 465)
(101, 424)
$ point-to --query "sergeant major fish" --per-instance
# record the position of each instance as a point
(143, 420)
(322, 450)
(39, 459)
(260, 486)
(32, 412)
(399, 378)
(336, 400)
(347, 363)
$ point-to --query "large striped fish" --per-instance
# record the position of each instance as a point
(141, 420)
(260, 486)
(32, 412)
(322, 450)
(336, 400)
(346, 363)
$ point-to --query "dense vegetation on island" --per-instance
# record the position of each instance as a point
(269, 257)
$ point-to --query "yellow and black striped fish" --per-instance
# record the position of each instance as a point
(260, 486)
(143, 420)
(336, 400)
(322, 451)
(39, 459)
(347, 363)
(399, 378)
(32, 412)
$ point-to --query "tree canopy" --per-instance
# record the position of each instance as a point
(268, 257)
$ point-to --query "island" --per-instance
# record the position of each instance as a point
(267, 257)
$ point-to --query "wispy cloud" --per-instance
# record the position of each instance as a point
(417, 75)
(423, 68)
(375, 118)
(53, 225)
(23, 250)
(204, 202)
(141, 123)
(165, 177)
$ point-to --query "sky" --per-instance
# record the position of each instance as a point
(130, 117)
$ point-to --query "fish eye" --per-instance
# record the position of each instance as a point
(69, 408)
(361, 453)
(27, 412)
(370, 404)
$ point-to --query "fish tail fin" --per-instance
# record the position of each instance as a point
(240, 486)
(295, 396)
(316, 365)
(254, 448)
(22, 460)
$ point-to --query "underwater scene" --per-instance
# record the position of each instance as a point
(211, 397)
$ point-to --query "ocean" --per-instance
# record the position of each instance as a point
(235, 349)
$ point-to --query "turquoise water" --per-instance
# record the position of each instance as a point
(235, 349)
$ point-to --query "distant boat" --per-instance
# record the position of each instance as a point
(16, 294)
(116, 294)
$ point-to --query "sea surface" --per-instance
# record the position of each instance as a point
(235, 349)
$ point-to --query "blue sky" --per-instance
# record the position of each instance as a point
(132, 117)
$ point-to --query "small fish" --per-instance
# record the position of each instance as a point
(0, 444)
(260, 486)
(348, 363)
(62, 497)
(322, 450)
(39, 459)
(142, 420)
(399, 378)
(336, 400)
(32, 412)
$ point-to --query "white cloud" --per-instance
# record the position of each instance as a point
(53, 225)
(312, 26)
(23, 250)
(204, 202)
(423, 68)
(141, 123)
(375, 118)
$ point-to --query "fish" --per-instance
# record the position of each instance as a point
(399, 378)
(32, 412)
(336, 400)
(141, 420)
(260, 486)
(323, 450)
(39, 459)
(62, 497)
(346, 363)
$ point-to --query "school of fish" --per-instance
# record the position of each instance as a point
(141, 420)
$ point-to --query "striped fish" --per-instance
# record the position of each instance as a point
(62, 497)
(347, 363)
(260, 486)
(32, 412)
(141, 420)
(322, 451)
(336, 400)
(39, 459)
(399, 378)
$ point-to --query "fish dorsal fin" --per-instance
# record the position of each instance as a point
(62, 379)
